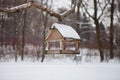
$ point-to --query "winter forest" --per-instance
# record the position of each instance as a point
(25, 27)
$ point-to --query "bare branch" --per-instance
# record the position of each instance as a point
(86, 10)
(118, 16)
(17, 8)
(39, 6)
(50, 12)
(65, 14)
(102, 9)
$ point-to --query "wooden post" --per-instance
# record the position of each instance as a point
(77, 45)
(61, 46)
(48, 45)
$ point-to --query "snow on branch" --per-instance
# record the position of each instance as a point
(39, 6)
(68, 12)
(16, 8)
(20, 7)
(50, 12)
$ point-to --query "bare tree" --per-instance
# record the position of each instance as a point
(96, 17)
(111, 29)
(78, 3)
(118, 10)
(44, 32)
(37, 5)
(16, 22)
(1, 30)
(116, 39)
(1, 24)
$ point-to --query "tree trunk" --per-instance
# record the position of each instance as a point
(78, 16)
(99, 41)
(1, 25)
(1, 30)
(44, 30)
(111, 30)
(23, 34)
(16, 47)
(15, 37)
(96, 21)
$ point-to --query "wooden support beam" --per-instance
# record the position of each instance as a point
(76, 45)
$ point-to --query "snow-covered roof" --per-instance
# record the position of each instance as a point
(66, 31)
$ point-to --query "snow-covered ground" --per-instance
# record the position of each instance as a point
(60, 67)
(54, 71)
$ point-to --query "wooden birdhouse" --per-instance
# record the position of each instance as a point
(62, 39)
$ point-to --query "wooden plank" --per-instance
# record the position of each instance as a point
(54, 35)
(62, 52)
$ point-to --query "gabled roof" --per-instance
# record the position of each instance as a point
(66, 31)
